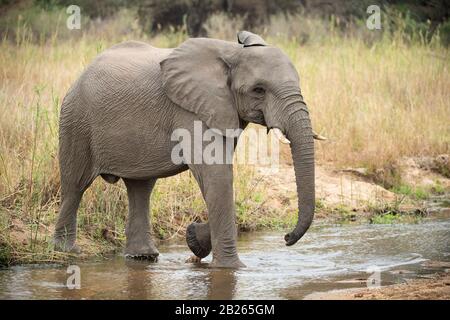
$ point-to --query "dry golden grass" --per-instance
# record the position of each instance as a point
(376, 103)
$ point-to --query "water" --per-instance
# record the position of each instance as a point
(328, 257)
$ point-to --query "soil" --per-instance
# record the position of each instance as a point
(350, 188)
(346, 188)
(436, 287)
(333, 188)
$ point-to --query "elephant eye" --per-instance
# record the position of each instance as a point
(259, 90)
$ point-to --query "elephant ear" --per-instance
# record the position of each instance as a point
(249, 39)
(195, 78)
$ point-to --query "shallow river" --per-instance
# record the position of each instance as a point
(328, 257)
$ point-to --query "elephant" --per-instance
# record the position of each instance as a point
(118, 118)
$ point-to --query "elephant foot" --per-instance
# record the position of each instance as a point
(193, 259)
(230, 264)
(65, 245)
(198, 238)
(147, 252)
(149, 257)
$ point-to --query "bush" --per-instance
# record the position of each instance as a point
(94, 9)
(444, 33)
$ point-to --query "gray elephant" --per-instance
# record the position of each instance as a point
(118, 119)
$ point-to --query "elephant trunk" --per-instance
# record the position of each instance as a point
(299, 132)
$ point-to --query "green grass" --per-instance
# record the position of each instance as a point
(438, 188)
(343, 213)
(395, 217)
(385, 219)
(389, 213)
(418, 193)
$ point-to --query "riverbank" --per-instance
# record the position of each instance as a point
(436, 287)
(267, 202)
(329, 257)
(357, 195)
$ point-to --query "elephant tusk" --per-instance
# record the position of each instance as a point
(318, 136)
(280, 136)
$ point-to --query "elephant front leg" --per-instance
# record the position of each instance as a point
(139, 242)
(198, 238)
(216, 183)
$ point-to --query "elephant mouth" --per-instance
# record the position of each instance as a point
(255, 116)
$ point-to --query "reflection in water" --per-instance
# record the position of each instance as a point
(221, 284)
(328, 257)
(209, 283)
(139, 280)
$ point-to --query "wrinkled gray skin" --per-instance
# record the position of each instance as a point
(117, 120)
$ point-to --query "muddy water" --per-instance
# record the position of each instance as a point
(328, 257)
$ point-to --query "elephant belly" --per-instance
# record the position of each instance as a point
(135, 153)
(134, 142)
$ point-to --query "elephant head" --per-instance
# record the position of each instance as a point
(227, 83)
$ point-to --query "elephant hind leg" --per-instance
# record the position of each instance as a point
(76, 176)
(139, 241)
(66, 226)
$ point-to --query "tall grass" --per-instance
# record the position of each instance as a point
(378, 95)
(376, 102)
